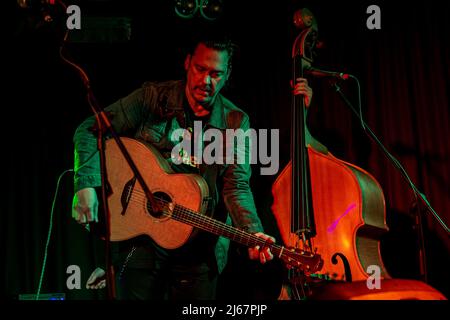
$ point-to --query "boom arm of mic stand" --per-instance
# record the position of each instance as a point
(391, 158)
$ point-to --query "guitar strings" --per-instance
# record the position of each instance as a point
(197, 219)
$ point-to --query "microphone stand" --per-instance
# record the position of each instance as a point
(104, 125)
(417, 193)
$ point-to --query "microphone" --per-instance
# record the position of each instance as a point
(317, 73)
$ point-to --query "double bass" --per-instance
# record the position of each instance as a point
(332, 208)
(321, 203)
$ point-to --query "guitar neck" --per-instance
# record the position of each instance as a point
(219, 228)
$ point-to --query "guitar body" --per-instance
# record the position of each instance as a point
(131, 213)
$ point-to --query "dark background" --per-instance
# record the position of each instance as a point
(404, 74)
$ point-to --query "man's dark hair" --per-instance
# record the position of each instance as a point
(218, 42)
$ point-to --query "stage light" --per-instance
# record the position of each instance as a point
(186, 8)
(33, 4)
(211, 9)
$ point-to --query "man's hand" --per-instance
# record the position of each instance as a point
(263, 254)
(85, 206)
(301, 87)
(97, 280)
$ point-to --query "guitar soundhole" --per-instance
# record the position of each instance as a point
(165, 206)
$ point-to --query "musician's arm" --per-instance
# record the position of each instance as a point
(237, 194)
(239, 200)
(126, 114)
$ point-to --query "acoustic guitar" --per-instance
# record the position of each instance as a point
(182, 202)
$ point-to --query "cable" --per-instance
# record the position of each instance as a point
(396, 163)
(372, 135)
(359, 101)
(44, 262)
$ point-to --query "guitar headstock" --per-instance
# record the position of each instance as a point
(307, 262)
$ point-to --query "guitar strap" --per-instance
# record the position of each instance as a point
(210, 175)
(210, 172)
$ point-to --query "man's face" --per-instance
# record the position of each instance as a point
(207, 71)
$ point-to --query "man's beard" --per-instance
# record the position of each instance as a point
(210, 102)
(208, 105)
